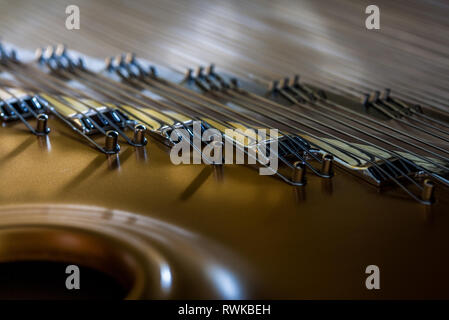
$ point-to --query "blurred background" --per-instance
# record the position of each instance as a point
(266, 39)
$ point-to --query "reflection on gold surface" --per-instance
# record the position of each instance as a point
(152, 259)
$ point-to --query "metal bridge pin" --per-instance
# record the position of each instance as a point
(130, 58)
(217, 159)
(109, 64)
(322, 94)
(285, 83)
(39, 53)
(49, 53)
(293, 82)
(217, 156)
(153, 71)
(81, 64)
(118, 60)
(189, 74)
(299, 172)
(13, 55)
(235, 83)
(41, 126)
(427, 191)
(200, 72)
(326, 167)
(61, 50)
(273, 86)
(418, 108)
(365, 99)
(111, 145)
(386, 94)
(210, 69)
(139, 135)
(375, 96)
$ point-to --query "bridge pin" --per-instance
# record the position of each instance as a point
(200, 72)
(427, 191)
(299, 173)
(130, 58)
(139, 135)
(111, 145)
(210, 69)
(61, 50)
(326, 167)
(41, 127)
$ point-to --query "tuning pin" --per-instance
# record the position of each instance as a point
(428, 191)
(139, 135)
(299, 173)
(41, 126)
(326, 167)
(111, 145)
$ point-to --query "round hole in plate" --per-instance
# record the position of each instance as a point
(33, 262)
